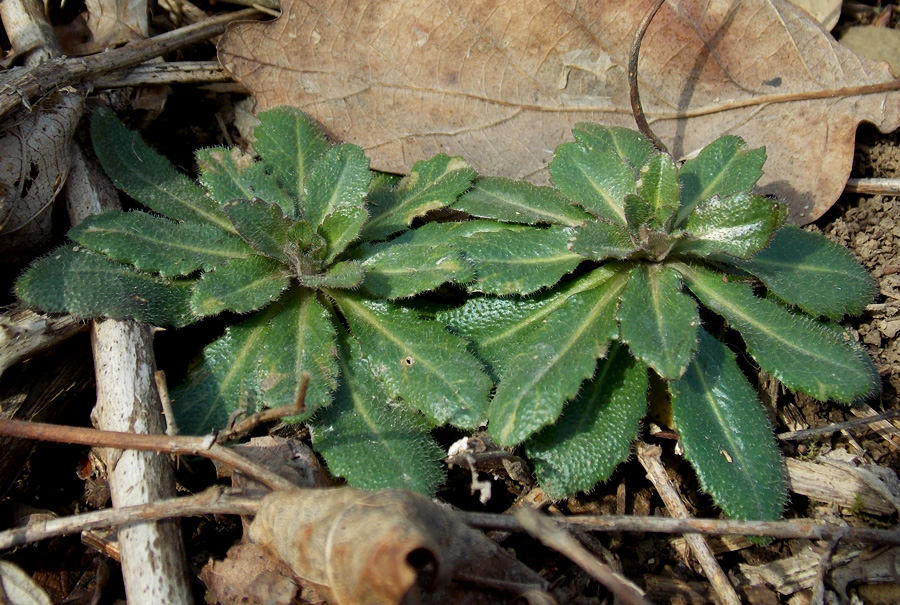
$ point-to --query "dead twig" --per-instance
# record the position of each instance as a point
(20, 86)
(254, 420)
(636, 108)
(649, 457)
(181, 445)
(834, 428)
(873, 186)
(210, 502)
(822, 569)
(544, 530)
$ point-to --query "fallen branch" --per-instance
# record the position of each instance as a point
(181, 445)
(834, 428)
(873, 186)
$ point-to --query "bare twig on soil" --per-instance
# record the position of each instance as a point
(172, 72)
(822, 569)
(636, 108)
(834, 428)
(210, 502)
(649, 457)
(799, 529)
(21, 86)
(254, 420)
(557, 539)
(180, 445)
(873, 186)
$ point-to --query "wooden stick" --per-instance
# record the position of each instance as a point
(186, 446)
(649, 457)
(834, 428)
(873, 186)
(551, 535)
(210, 502)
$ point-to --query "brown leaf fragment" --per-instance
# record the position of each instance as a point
(502, 83)
(291, 459)
(250, 576)
(388, 546)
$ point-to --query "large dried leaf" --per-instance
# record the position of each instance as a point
(389, 546)
(502, 83)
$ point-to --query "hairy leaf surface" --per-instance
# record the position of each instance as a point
(659, 187)
(290, 142)
(552, 361)
(739, 224)
(87, 284)
(595, 431)
(631, 146)
(347, 275)
(598, 181)
(659, 321)
(519, 202)
(301, 339)
(432, 184)
(519, 260)
(418, 360)
(241, 285)
(339, 180)
(148, 177)
(225, 379)
(153, 243)
(370, 442)
(262, 225)
(228, 175)
(802, 353)
(726, 435)
(812, 272)
(405, 269)
(602, 240)
(723, 167)
(340, 228)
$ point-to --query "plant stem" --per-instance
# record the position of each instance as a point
(636, 108)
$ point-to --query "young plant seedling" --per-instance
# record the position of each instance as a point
(660, 249)
(286, 240)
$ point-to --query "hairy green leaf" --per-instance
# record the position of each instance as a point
(229, 174)
(301, 339)
(498, 327)
(405, 269)
(225, 379)
(418, 360)
(303, 239)
(602, 240)
(804, 354)
(148, 177)
(157, 244)
(290, 143)
(369, 442)
(552, 361)
(726, 435)
(241, 285)
(630, 145)
(338, 181)
(638, 212)
(739, 225)
(346, 275)
(659, 321)
(598, 181)
(723, 167)
(519, 202)
(341, 228)
(812, 272)
(262, 225)
(519, 260)
(432, 184)
(595, 431)
(86, 284)
(659, 186)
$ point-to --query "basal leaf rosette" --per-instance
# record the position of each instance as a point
(308, 246)
(610, 273)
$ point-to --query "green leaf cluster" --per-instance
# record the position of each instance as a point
(298, 241)
(659, 249)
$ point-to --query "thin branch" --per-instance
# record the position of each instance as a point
(834, 428)
(180, 445)
(873, 186)
(254, 420)
(173, 72)
(20, 86)
(210, 502)
(633, 55)
(551, 535)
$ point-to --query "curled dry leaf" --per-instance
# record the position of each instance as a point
(35, 156)
(501, 83)
(389, 546)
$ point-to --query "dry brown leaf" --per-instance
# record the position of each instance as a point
(35, 156)
(501, 83)
(389, 546)
(249, 576)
